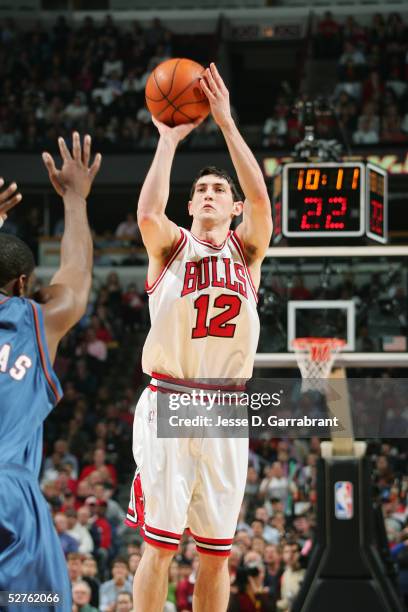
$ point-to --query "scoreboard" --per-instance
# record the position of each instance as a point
(330, 199)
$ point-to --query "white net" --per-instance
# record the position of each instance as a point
(315, 357)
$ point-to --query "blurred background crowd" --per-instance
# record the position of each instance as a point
(91, 77)
(364, 100)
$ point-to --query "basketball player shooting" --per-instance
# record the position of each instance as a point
(31, 557)
(204, 324)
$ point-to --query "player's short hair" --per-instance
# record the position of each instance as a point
(16, 259)
(221, 174)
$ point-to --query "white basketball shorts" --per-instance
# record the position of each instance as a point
(194, 483)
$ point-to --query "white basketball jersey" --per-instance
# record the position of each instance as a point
(203, 312)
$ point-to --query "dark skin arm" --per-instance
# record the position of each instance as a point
(8, 199)
(64, 302)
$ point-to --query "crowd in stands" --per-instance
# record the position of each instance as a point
(90, 78)
(369, 100)
(271, 547)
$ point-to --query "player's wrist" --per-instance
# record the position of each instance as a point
(72, 197)
(227, 124)
(170, 139)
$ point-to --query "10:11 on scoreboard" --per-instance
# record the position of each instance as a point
(330, 199)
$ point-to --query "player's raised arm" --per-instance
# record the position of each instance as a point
(256, 228)
(159, 234)
(8, 199)
(64, 301)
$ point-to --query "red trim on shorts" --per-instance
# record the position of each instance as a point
(192, 385)
(130, 524)
(42, 355)
(160, 532)
(213, 553)
(152, 388)
(211, 244)
(158, 544)
(177, 249)
(224, 542)
(241, 251)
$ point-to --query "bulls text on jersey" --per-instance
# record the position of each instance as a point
(214, 272)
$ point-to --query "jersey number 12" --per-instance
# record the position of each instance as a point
(218, 325)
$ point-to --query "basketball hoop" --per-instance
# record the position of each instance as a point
(315, 357)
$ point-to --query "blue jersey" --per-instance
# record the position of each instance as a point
(31, 557)
(29, 388)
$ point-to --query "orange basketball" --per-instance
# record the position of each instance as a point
(173, 92)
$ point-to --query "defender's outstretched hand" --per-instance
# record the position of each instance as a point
(178, 132)
(218, 95)
(8, 199)
(75, 175)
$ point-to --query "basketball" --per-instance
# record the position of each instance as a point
(173, 92)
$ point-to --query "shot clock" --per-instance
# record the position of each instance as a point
(330, 199)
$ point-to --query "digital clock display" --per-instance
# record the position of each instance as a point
(323, 199)
(377, 203)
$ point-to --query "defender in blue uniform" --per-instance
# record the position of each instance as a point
(31, 556)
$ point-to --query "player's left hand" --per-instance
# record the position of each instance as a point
(8, 199)
(218, 95)
(76, 174)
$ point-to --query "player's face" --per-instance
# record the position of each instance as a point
(213, 200)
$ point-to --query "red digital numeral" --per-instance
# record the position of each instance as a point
(376, 220)
(336, 212)
(313, 213)
(218, 325)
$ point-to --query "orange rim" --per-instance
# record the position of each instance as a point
(319, 349)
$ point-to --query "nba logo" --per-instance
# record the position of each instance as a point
(343, 500)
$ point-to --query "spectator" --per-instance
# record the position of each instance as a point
(292, 576)
(133, 562)
(185, 588)
(275, 128)
(81, 596)
(366, 133)
(106, 470)
(121, 581)
(76, 110)
(328, 36)
(272, 558)
(269, 534)
(351, 54)
(76, 574)
(129, 229)
(249, 593)
(79, 531)
(373, 88)
(112, 65)
(114, 513)
(275, 484)
(391, 129)
(68, 543)
(124, 602)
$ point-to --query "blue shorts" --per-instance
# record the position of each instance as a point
(31, 556)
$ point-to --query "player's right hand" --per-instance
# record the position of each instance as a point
(75, 175)
(8, 198)
(178, 132)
